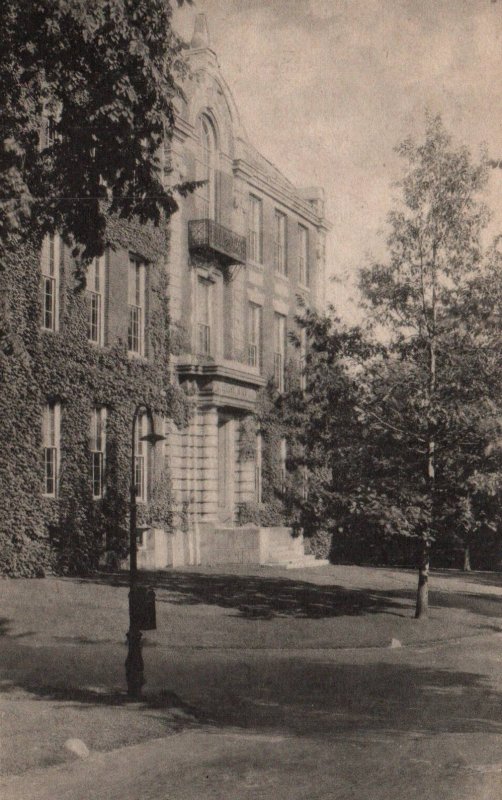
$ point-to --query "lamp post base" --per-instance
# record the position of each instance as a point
(134, 664)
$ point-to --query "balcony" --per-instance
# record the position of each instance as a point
(212, 240)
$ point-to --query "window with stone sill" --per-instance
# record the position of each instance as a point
(50, 267)
(279, 350)
(51, 432)
(255, 335)
(280, 243)
(255, 234)
(136, 306)
(97, 446)
(141, 459)
(207, 164)
(204, 316)
(96, 305)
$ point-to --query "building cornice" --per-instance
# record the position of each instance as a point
(266, 184)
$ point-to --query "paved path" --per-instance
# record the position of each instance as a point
(375, 726)
(266, 709)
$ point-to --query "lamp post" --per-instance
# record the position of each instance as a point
(134, 661)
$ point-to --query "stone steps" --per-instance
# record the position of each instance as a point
(291, 561)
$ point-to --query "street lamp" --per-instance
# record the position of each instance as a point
(137, 594)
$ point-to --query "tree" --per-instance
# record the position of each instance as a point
(434, 392)
(103, 74)
(325, 438)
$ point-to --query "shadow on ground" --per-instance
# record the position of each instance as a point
(261, 596)
(256, 595)
(302, 696)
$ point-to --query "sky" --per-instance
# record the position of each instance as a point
(327, 88)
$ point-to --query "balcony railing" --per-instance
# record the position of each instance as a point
(210, 239)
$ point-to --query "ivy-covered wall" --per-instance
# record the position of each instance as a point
(23, 548)
(70, 533)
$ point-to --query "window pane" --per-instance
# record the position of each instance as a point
(279, 348)
(280, 242)
(254, 329)
(50, 463)
(52, 261)
(140, 458)
(50, 442)
(254, 233)
(97, 474)
(203, 317)
(139, 477)
(204, 339)
(134, 331)
(49, 291)
(94, 322)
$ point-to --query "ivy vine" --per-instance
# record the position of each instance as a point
(71, 532)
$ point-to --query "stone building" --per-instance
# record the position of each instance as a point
(234, 259)
(242, 248)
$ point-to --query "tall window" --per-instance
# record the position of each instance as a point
(95, 291)
(255, 229)
(258, 468)
(255, 335)
(98, 450)
(136, 291)
(51, 423)
(279, 350)
(280, 262)
(303, 255)
(303, 359)
(141, 459)
(203, 316)
(50, 282)
(208, 168)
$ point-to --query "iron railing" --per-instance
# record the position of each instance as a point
(211, 239)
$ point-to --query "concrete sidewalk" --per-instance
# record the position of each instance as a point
(255, 704)
(227, 766)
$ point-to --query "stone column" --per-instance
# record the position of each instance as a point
(245, 469)
(207, 472)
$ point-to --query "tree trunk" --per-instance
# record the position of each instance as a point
(467, 559)
(422, 606)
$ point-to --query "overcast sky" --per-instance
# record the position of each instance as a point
(327, 88)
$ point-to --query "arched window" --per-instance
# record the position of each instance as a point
(209, 159)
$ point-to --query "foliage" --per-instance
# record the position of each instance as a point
(399, 425)
(325, 436)
(105, 73)
(319, 544)
(267, 514)
(430, 399)
(23, 550)
(64, 366)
